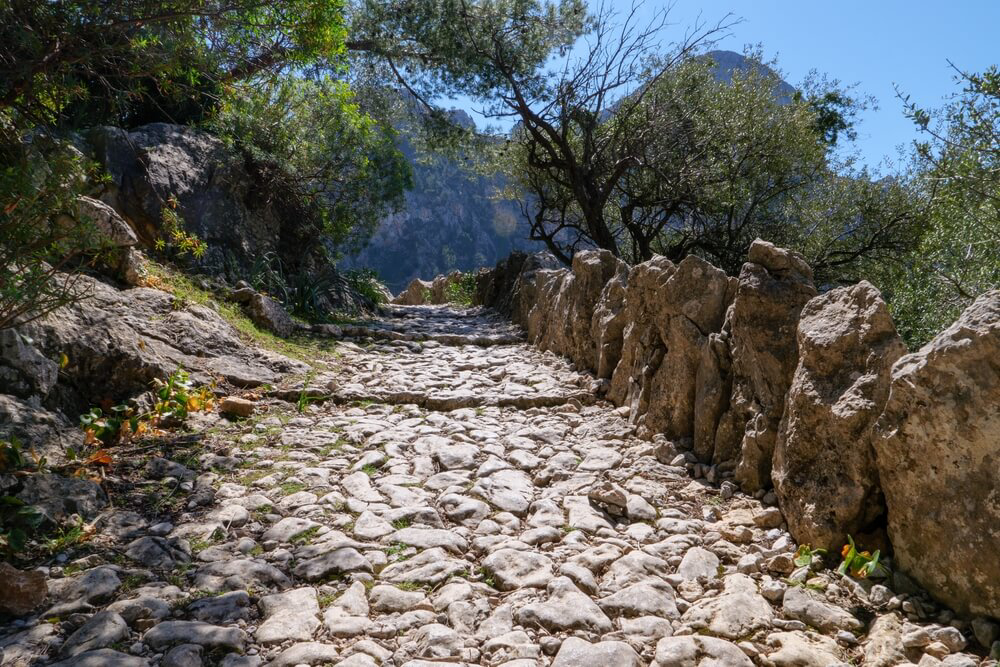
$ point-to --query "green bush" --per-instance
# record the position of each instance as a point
(462, 291)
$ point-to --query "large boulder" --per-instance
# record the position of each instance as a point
(671, 311)
(209, 185)
(824, 464)
(773, 287)
(937, 448)
(116, 342)
(271, 315)
(548, 285)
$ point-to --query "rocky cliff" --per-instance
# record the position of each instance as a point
(802, 397)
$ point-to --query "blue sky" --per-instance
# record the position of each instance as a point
(875, 43)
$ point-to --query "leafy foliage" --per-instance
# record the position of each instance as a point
(335, 168)
(463, 290)
(126, 63)
(175, 237)
(861, 564)
(365, 282)
(958, 173)
(17, 519)
(176, 397)
(39, 181)
(805, 555)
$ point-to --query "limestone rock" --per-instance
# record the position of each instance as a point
(937, 448)
(417, 293)
(576, 652)
(102, 630)
(565, 308)
(824, 463)
(772, 288)
(235, 405)
(697, 651)
(671, 310)
(271, 315)
(24, 370)
(607, 326)
(117, 341)
(111, 226)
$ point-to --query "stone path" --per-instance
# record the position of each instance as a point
(457, 498)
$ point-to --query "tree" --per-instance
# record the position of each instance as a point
(576, 127)
(90, 61)
(336, 169)
(640, 152)
(958, 171)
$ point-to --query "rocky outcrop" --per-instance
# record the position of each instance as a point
(209, 185)
(671, 311)
(417, 293)
(773, 287)
(937, 446)
(422, 292)
(116, 342)
(824, 464)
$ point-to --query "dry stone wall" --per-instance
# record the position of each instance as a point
(773, 386)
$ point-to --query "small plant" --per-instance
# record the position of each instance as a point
(369, 469)
(805, 554)
(68, 536)
(17, 522)
(288, 488)
(860, 564)
(176, 397)
(400, 524)
(174, 237)
(306, 536)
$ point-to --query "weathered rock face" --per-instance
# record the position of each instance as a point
(117, 341)
(671, 310)
(937, 447)
(824, 464)
(214, 189)
(772, 289)
(417, 293)
(607, 326)
(569, 309)
(48, 432)
(510, 287)
(24, 371)
(495, 287)
(547, 285)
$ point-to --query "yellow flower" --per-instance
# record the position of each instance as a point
(846, 550)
